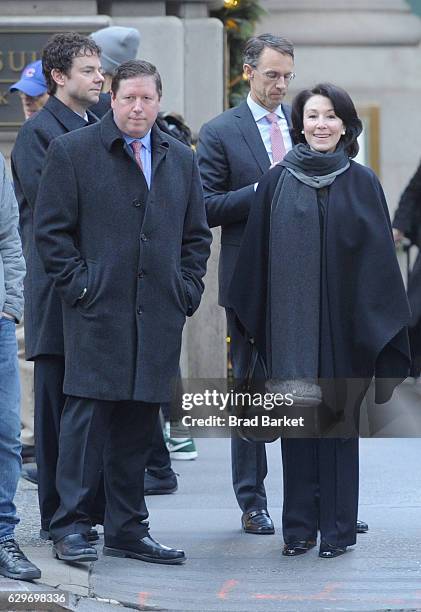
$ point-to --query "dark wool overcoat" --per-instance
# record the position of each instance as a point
(43, 317)
(365, 299)
(140, 254)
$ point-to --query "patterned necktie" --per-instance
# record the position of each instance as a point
(136, 145)
(276, 139)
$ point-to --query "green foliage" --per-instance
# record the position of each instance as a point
(239, 18)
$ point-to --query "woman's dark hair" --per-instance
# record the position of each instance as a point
(343, 106)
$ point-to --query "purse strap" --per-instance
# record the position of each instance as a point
(254, 357)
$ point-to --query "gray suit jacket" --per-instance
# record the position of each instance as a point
(232, 157)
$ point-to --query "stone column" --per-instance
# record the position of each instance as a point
(134, 8)
(186, 9)
(193, 9)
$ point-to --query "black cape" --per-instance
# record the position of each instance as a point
(368, 309)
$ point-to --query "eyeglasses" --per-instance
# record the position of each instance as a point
(273, 76)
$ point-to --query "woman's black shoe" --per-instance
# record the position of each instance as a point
(299, 547)
(328, 551)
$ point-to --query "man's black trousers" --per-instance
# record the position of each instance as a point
(49, 404)
(117, 434)
(249, 466)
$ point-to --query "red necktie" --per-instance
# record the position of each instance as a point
(276, 139)
(136, 145)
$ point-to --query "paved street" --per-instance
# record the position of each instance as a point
(231, 571)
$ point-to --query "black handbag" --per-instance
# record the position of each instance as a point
(247, 408)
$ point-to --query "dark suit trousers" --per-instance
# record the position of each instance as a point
(159, 461)
(320, 489)
(49, 404)
(249, 466)
(117, 434)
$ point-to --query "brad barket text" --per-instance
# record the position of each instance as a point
(219, 400)
(263, 420)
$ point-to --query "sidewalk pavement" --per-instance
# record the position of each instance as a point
(228, 570)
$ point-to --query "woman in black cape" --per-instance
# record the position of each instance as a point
(318, 287)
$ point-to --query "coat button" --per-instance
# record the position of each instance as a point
(143, 237)
(139, 311)
(140, 274)
(137, 203)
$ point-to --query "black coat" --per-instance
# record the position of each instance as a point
(368, 309)
(141, 255)
(43, 317)
(408, 221)
(408, 214)
(232, 157)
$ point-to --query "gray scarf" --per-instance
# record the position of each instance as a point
(295, 262)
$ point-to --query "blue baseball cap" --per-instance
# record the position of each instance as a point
(32, 81)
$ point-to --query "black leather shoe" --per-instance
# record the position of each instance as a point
(147, 549)
(92, 535)
(74, 547)
(362, 527)
(160, 486)
(14, 564)
(258, 522)
(328, 551)
(299, 547)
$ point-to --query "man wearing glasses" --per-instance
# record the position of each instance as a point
(235, 149)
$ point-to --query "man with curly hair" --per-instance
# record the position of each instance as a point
(72, 69)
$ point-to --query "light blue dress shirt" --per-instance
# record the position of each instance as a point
(145, 154)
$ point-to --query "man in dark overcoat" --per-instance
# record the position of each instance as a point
(407, 223)
(234, 151)
(71, 66)
(124, 236)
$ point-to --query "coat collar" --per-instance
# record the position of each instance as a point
(68, 118)
(110, 134)
(247, 126)
(287, 112)
(160, 146)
